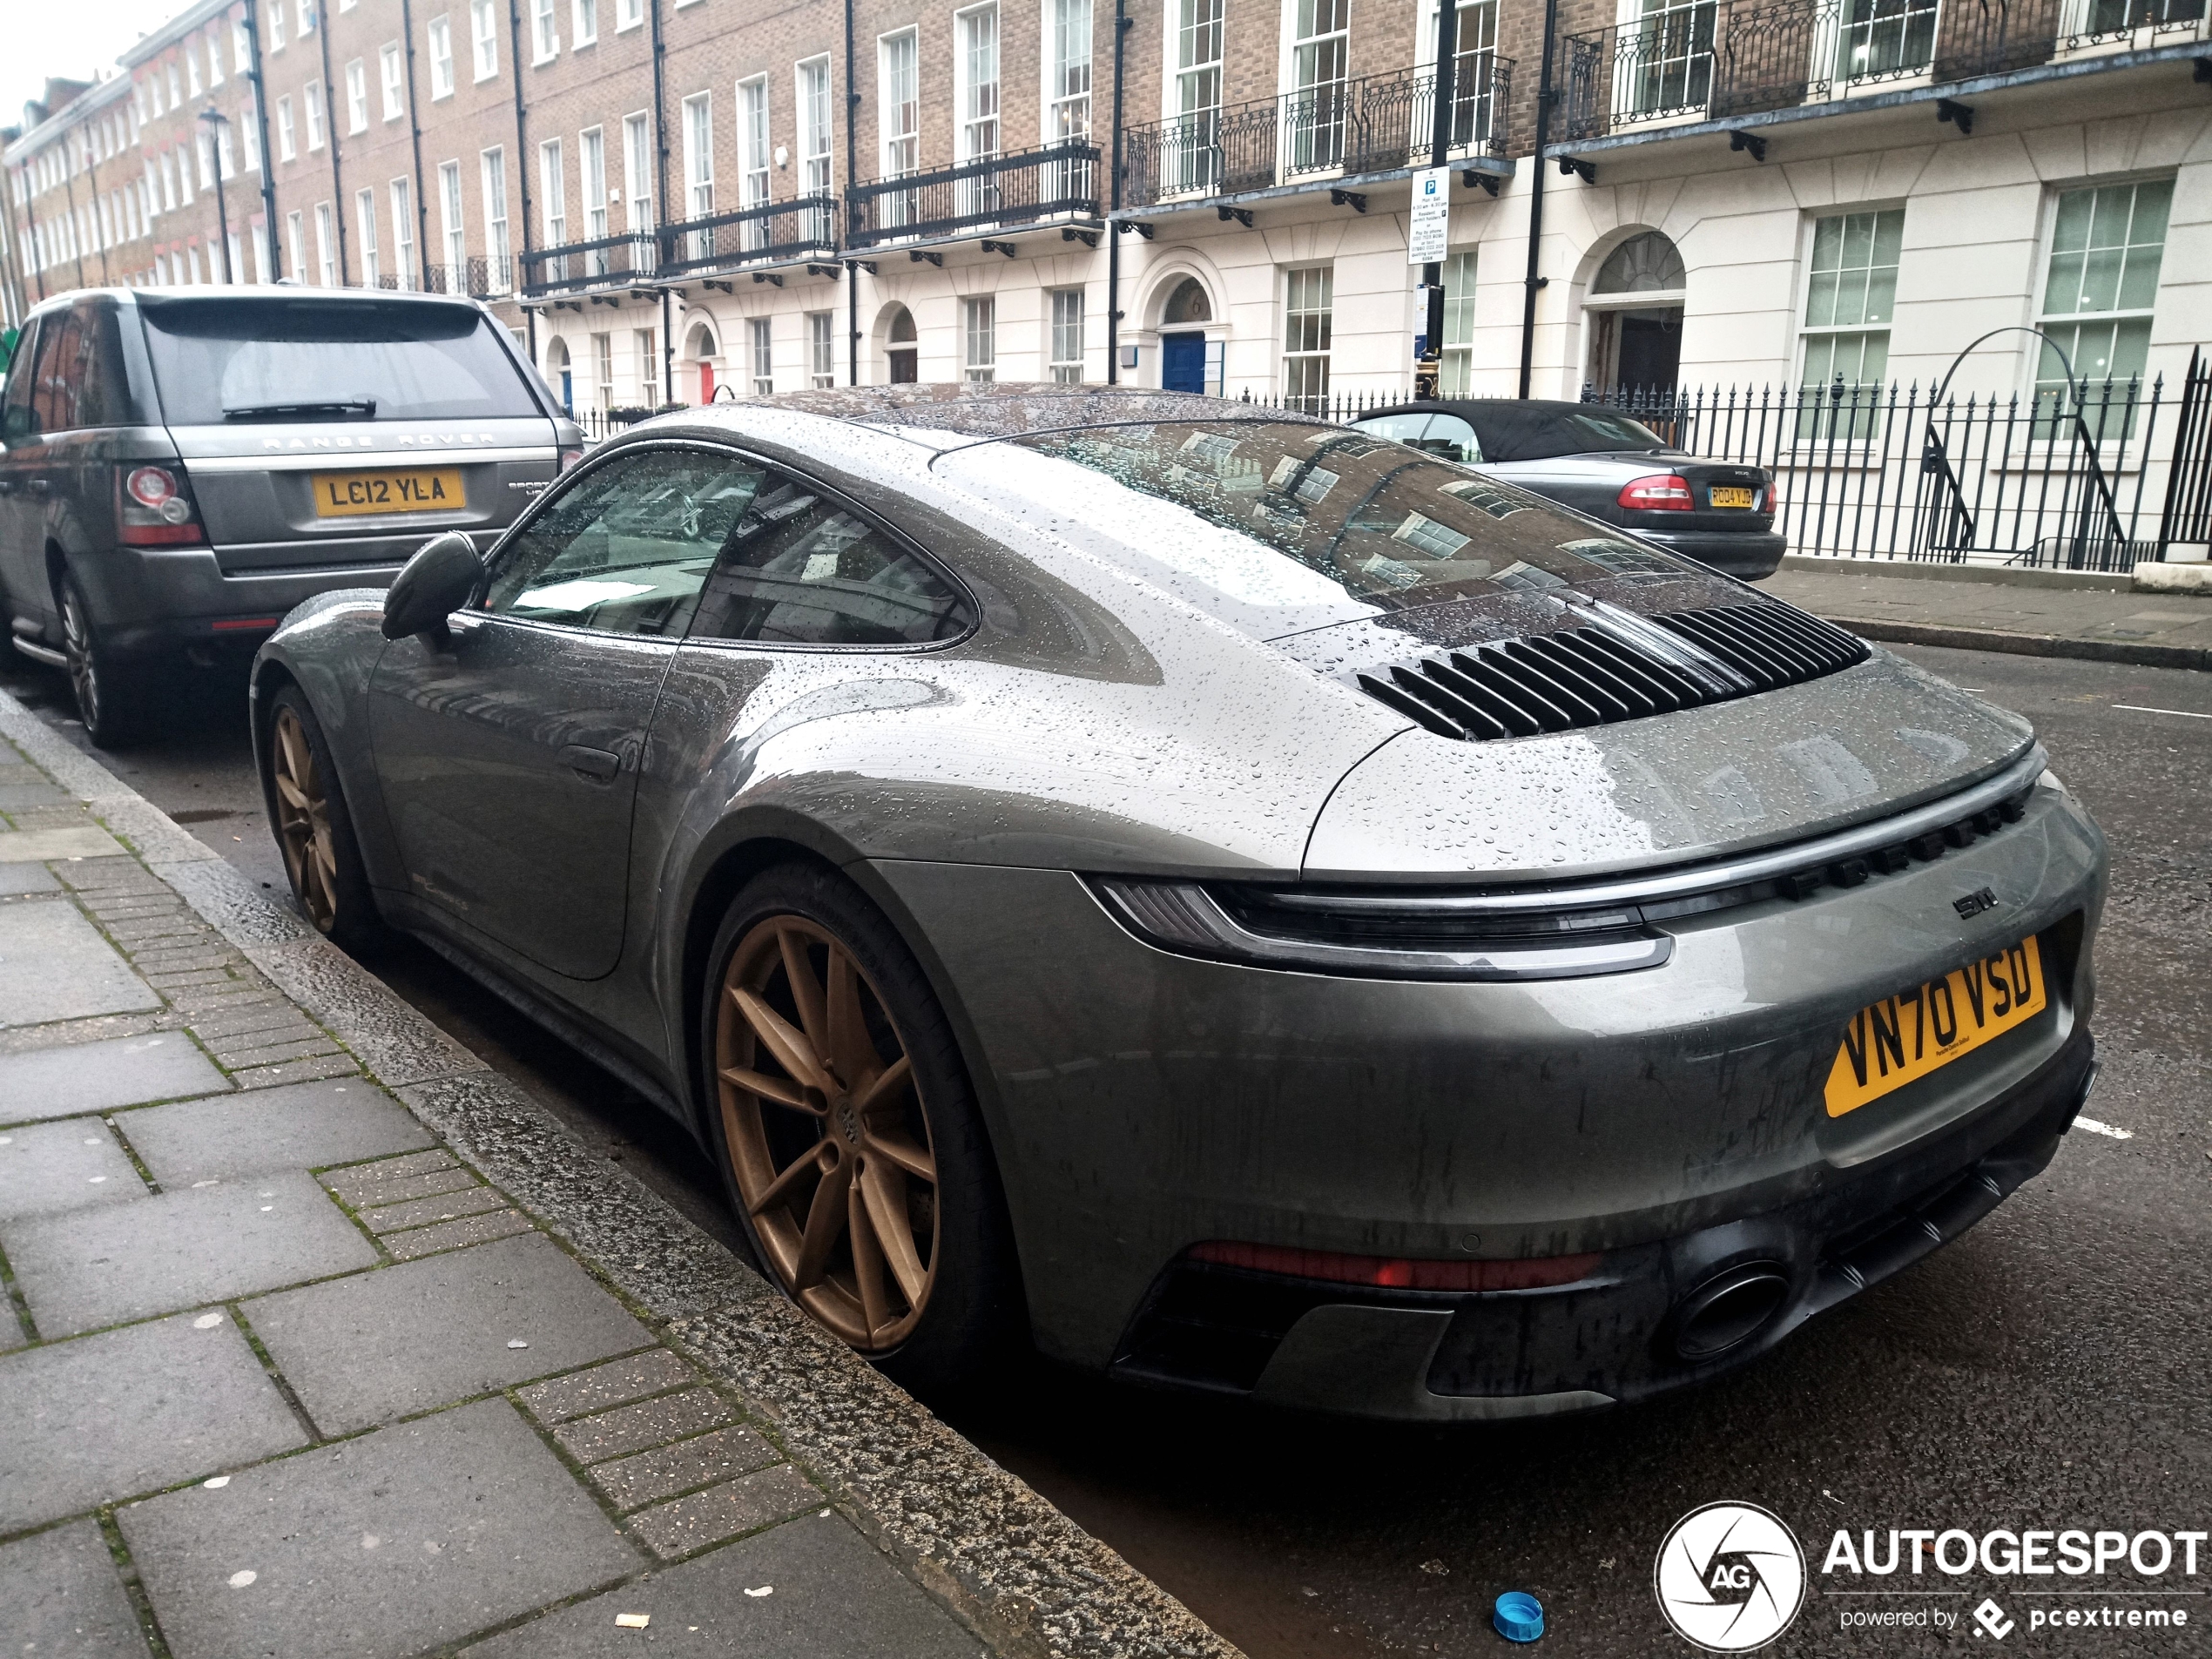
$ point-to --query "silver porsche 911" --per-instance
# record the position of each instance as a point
(1237, 902)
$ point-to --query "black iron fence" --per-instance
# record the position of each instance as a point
(604, 261)
(478, 277)
(2093, 483)
(1053, 181)
(1718, 58)
(1379, 124)
(773, 232)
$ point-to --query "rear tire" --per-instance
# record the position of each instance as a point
(313, 829)
(857, 1162)
(115, 700)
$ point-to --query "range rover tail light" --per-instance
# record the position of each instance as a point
(154, 508)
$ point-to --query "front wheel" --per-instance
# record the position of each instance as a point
(847, 1133)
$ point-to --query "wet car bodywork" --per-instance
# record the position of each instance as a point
(1334, 1047)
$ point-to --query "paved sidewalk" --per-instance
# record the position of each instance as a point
(321, 1338)
(2035, 613)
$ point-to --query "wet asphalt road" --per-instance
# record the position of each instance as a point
(2052, 1369)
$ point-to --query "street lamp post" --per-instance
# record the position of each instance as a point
(217, 121)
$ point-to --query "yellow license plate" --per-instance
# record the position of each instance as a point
(1903, 1038)
(1732, 495)
(345, 495)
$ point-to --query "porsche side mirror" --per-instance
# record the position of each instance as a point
(440, 579)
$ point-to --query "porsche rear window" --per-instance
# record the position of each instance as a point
(1394, 526)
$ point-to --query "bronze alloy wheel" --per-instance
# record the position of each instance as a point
(76, 650)
(303, 820)
(828, 1141)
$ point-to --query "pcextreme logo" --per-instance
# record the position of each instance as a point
(1729, 1577)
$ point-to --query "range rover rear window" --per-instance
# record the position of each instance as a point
(238, 363)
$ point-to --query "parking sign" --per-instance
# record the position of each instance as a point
(1431, 216)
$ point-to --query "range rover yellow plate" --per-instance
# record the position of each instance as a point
(1903, 1038)
(1732, 495)
(344, 494)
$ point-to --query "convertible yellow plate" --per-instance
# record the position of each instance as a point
(343, 494)
(1903, 1038)
(1732, 495)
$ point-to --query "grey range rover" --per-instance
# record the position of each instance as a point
(180, 468)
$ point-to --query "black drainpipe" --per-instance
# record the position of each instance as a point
(1114, 206)
(261, 122)
(415, 131)
(330, 134)
(660, 185)
(852, 176)
(522, 173)
(1532, 282)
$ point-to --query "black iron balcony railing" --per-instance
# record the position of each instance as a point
(1344, 129)
(479, 277)
(1712, 59)
(999, 192)
(2089, 23)
(604, 261)
(771, 234)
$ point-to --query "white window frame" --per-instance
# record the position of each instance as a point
(821, 349)
(979, 356)
(192, 66)
(699, 166)
(392, 69)
(484, 36)
(311, 101)
(629, 14)
(357, 95)
(1064, 335)
(552, 189)
(365, 228)
(326, 245)
(453, 222)
(1455, 363)
(1192, 25)
(441, 71)
(1295, 359)
(1807, 331)
(637, 170)
(583, 19)
(978, 100)
(498, 248)
(545, 33)
(762, 357)
(214, 54)
(287, 130)
(753, 142)
(402, 192)
(591, 189)
(899, 118)
(273, 33)
(1066, 100)
(2054, 321)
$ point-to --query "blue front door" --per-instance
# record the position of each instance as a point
(1182, 362)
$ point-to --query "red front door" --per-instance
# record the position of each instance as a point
(707, 382)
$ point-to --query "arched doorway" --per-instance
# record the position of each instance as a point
(1635, 308)
(902, 347)
(702, 350)
(1182, 337)
(558, 371)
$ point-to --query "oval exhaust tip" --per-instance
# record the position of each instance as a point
(1728, 1310)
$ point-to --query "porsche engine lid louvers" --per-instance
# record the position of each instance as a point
(1614, 665)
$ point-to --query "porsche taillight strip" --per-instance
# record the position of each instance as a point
(1600, 675)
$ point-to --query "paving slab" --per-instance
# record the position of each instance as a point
(27, 878)
(55, 966)
(743, 1505)
(60, 1598)
(98, 1076)
(702, 1461)
(366, 1350)
(833, 1595)
(47, 1168)
(401, 1539)
(453, 1235)
(102, 1266)
(77, 841)
(651, 1422)
(303, 1126)
(615, 1384)
(131, 1411)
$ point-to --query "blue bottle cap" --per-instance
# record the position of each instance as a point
(1519, 1616)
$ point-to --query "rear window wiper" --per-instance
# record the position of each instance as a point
(364, 405)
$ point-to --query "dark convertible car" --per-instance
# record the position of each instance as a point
(1238, 902)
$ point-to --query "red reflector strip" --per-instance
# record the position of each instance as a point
(159, 535)
(242, 623)
(1397, 1273)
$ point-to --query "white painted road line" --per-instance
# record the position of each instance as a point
(2095, 1127)
(2137, 708)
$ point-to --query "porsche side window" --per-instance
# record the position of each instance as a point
(627, 547)
(800, 570)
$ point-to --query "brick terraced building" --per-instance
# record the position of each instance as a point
(681, 199)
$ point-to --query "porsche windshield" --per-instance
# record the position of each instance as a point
(1395, 527)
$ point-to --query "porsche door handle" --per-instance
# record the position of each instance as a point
(596, 765)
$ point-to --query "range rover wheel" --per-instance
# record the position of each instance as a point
(113, 699)
(313, 830)
(848, 1132)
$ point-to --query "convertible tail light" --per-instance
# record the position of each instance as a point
(154, 508)
(1659, 492)
(1397, 1272)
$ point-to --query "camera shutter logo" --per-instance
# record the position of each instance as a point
(1729, 1577)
